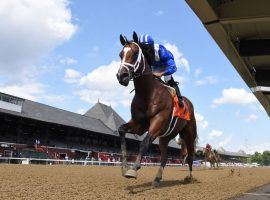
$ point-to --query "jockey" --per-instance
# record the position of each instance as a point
(209, 147)
(161, 61)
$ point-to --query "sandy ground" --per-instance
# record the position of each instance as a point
(100, 182)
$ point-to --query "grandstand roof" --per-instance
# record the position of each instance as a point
(106, 114)
(240, 153)
(241, 28)
(45, 113)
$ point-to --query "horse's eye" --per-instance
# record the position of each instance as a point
(135, 56)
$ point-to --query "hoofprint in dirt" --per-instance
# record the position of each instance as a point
(102, 182)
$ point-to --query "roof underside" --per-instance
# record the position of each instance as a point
(241, 28)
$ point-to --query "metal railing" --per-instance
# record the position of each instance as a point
(11, 160)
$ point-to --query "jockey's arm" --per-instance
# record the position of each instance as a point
(171, 67)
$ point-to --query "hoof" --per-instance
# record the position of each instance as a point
(124, 170)
(156, 183)
(131, 173)
(188, 179)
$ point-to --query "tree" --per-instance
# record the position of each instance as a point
(266, 158)
(262, 159)
(257, 157)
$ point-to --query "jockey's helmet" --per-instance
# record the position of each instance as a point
(147, 44)
(146, 39)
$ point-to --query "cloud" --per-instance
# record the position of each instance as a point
(67, 61)
(234, 96)
(207, 80)
(197, 72)
(33, 91)
(72, 76)
(178, 56)
(160, 12)
(251, 117)
(27, 91)
(29, 30)
(201, 121)
(215, 133)
(81, 111)
(102, 84)
(225, 142)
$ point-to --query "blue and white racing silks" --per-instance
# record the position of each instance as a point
(146, 39)
(164, 60)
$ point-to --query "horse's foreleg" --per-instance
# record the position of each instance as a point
(122, 133)
(144, 146)
(155, 128)
(163, 145)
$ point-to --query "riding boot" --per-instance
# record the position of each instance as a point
(174, 84)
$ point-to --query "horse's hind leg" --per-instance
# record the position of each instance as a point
(189, 137)
(190, 148)
(163, 145)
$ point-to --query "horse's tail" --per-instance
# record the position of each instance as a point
(192, 120)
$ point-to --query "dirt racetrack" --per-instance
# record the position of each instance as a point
(100, 182)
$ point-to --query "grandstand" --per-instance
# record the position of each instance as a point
(30, 125)
(31, 129)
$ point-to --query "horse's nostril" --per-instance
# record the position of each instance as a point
(125, 74)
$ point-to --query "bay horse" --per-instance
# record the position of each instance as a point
(151, 111)
(211, 157)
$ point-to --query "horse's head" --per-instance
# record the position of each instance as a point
(133, 62)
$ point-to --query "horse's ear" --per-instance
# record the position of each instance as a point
(135, 37)
(123, 40)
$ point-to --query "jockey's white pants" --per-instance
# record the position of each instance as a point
(167, 78)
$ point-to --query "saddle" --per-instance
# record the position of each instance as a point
(180, 112)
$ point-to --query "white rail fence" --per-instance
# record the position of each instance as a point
(11, 160)
(26, 161)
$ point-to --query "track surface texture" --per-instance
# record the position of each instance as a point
(103, 182)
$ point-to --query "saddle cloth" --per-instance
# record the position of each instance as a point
(180, 112)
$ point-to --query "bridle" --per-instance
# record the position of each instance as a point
(133, 68)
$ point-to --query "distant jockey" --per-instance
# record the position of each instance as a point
(161, 61)
(209, 147)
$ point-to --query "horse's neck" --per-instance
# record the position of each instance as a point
(144, 85)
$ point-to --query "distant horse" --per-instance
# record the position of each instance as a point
(212, 157)
(151, 111)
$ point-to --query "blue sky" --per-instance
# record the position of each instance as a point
(65, 54)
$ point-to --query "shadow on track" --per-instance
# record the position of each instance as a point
(140, 188)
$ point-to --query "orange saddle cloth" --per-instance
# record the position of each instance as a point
(181, 112)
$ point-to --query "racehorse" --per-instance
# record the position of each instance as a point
(212, 157)
(151, 111)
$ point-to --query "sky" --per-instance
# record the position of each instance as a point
(65, 53)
